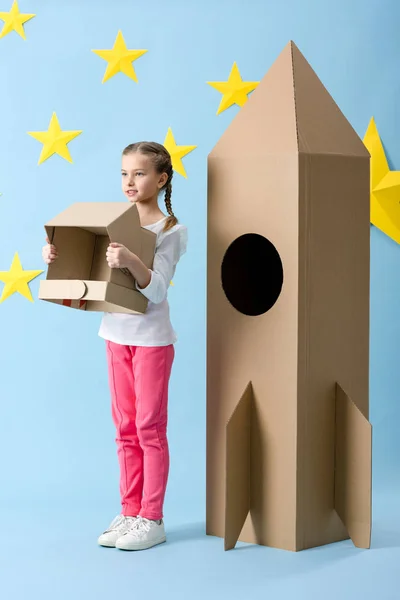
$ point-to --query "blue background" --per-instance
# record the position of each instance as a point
(58, 466)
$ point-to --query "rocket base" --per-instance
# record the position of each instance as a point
(352, 474)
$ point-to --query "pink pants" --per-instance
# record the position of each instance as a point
(139, 378)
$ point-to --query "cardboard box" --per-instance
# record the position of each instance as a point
(288, 436)
(80, 277)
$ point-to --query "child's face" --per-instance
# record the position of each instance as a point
(140, 180)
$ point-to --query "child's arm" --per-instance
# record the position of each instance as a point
(152, 283)
(121, 258)
(166, 258)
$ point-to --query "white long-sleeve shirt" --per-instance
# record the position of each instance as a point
(152, 328)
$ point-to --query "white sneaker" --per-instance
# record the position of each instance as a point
(116, 528)
(142, 535)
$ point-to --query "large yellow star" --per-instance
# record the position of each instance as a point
(119, 59)
(177, 152)
(385, 186)
(14, 21)
(16, 280)
(54, 140)
(234, 90)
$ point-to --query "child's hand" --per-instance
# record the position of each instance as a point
(118, 257)
(49, 252)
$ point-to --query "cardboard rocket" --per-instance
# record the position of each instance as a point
(288, 435)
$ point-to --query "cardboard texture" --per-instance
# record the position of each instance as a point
(353, 469)
(288, 313)
(80, 277)
(238, 466)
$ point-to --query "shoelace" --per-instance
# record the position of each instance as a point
(121, 522)
(139, 526)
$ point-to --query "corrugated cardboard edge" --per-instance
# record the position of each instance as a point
(98, 295)
(53, 289)
(353, 469)
(238, 468)
(303, 314)
(126, 230)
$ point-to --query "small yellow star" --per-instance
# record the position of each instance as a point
(120, 59)
(14, 21)
(234, 90)
(16, 280)
(177, 152)
(385, 186)
(54, 140)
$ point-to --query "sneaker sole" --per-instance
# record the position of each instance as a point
(105, 545)
(142, 546)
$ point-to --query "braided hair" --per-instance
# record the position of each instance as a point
(163, 164)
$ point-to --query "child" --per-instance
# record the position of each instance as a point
(140, 353)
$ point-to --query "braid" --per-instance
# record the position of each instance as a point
(171, 220)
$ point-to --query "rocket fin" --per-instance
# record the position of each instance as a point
(353, 476)
(238, 468)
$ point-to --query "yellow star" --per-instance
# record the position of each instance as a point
(16, 280)
(119, 59)
(234, 90)
(177, 152)
(54, 140)
(385, 187)
(14, 21)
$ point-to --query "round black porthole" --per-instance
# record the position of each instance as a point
(252, 274)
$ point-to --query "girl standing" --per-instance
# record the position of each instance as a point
(140, 354)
